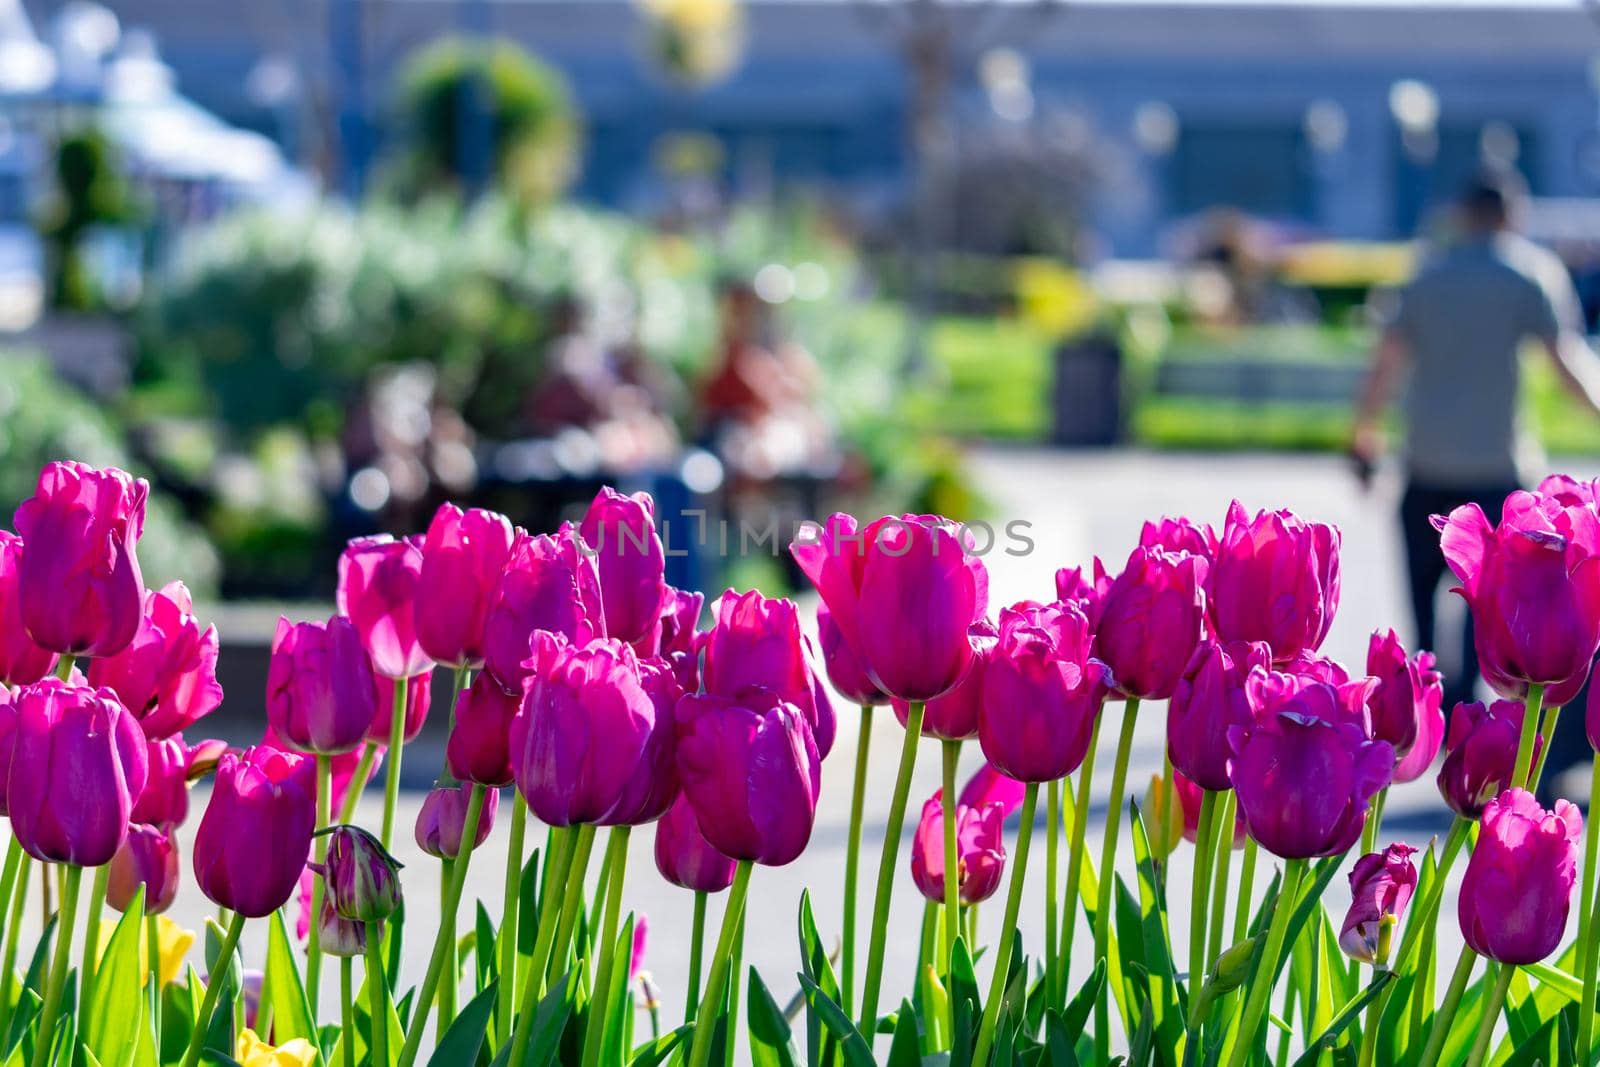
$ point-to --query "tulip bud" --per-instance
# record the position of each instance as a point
(1164, 831)
(321, 696)
(1234, 966)
(1041, 693)
(1517, 890)
(148, 858)
(954, 716)
(1481, 754)
(378, 580)
(980, 851)
(1275, 578)
(641, 937)
(443, 817)
(479, 748)
(751, 771)
(463, 556)
(684, 856)
(361, 876)
(256, 832)
(845, 672)
(78, 583)
(1381, 884)
(78, 761)
(167, 676)
(1208, 701)
(1406, 704)
(621, 532)
(549, 584)
(21, 661)
(419, 699)
(756, 643)
(338, 936)
(1151, 620)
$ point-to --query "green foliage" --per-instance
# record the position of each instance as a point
(89, 192)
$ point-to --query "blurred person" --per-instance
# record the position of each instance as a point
(576, 378)
(1458, 329)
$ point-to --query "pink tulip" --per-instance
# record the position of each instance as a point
(164, 801)
(1533, 586)
(1151, 620)
(1208, 701)
(78, 761)
(954, 716)
(684, 856)
(419, 701)
(321, 696)
(1190, 796)
(167, 676)
(147, 859)
(78, 583)
(1180, 535)
(463, 556)
(1381, 884)
(641, 938)
(1405, 705)
(1517, 890)
(21, 661)
(845, 672)
(479, 748)
(621, 532)
(1041, 693)
(8, 740)
(1480, 754)
(379, 579)
(989, 785)
(675, 638)
(756, 643)
(443, 817)
(550, 585)
(1315, 667)
(255, 836)
(980, 851)
(1086, 591)
(1275, 579)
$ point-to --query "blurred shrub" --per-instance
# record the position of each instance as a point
(89, 192)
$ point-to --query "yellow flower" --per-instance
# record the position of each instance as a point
(251, 1051)
(173, 942)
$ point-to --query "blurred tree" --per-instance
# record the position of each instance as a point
(89, 192)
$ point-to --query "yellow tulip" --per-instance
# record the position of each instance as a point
(173, 943)
(251, 1051)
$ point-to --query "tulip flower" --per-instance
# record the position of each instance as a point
(1190, 795)
(1151, 620)
(1533, 586)
(78, 583)
(443, 817)
(338, 936)
(641, 938)
(980, 847)
(1381, 884)
(756, 642)
(621, 532)
(379, 578)
(78, 761)
(989, 785)
(479, 748)
(751, 771)
(1315, 667)
(1179, 535)
(167, 676)
(1568, 491)
(255, 836)
(164, 801)
(903, 592)
(362, 878)
(1041, 693)
(583, 732)
(250, 1051)
(1275, 578)
(8, 740)
(550, 585)
(1405, 705)
(419, 700)
(684, 856)
(321, 696)
(1518, 887)
(845, 672)
(463, 556)
(654, 786)
(1303, 771)
(148, 859)
(675, 638)
(1480, 754)
(1209, 700)
(1087, 591)
(954, 716)
(21, 661)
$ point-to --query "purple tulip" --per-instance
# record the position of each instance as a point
(1533, 586)
(1304, 771)
(675, 638)
(1406, 705)
(164, 801)
(756, 643)
(361, 876)
(167, 676)
(78, 582)
(1275, 579)
(1210, 700)
(379, 578)
(443, 817)
(337, 936)
(21, 661)
(1381, 884)
(752, 773)
(1518, 887)
(654, 786)
(255, 835)
(78, 761)
(989, 785)
(1178, 535)
(980, 851)
(1041, 693)
(147, 859)
(845, 672)
(684, 856)
(1086, 591)
(321, 696)
(419, 700)
(463, 556)
(954, 716)
(479, 748)
(1151, 620)
(1480, 754)
(621, 532)
(549, 585)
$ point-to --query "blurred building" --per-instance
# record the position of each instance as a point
(1346, 117)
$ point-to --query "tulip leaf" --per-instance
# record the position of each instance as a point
(821, 1048)
(857, 1053)
(618, 1003)
(656, 1050)
(1169, 1021)
(906, 1048)
(1076, 1015)
(550, 1020)
(528, 905)
(291, 1010)
(1348, 1014)
(1569, 986)
(963, 992)
(118, 1023)
(771, 1039)
(463, 1040)
(219, 1028)
(486, 961)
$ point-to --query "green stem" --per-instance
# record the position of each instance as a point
(1369, 832)
(347, 1012)
(551, 888)
(1422, 917)
(8, 878)
(1447, 1011)
(319, 845)
(1222, 831)
(358, 782)
(1586, 912)
(377, 1012)
(1530, 728)
(598, 901)
(1255, 1006)
(571, 901)
(700, 1050)
(397, 737)
(697, 936)
(1052, 848)
(735, 982)
(510, 919)
(446, 999)
(64, 666)
(152, 951)
(1002, 961)
(442, 941)
(1548, 731)
(1199, 886)
(952, 857)
(91, 942)
(208, 1003)
(44, 1043)
(1247, 882)
(886, 871)
(616, 864)
(8, 967)
(1076, 859)
(1491, 1015)
(1108, 860)
(852, 865)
